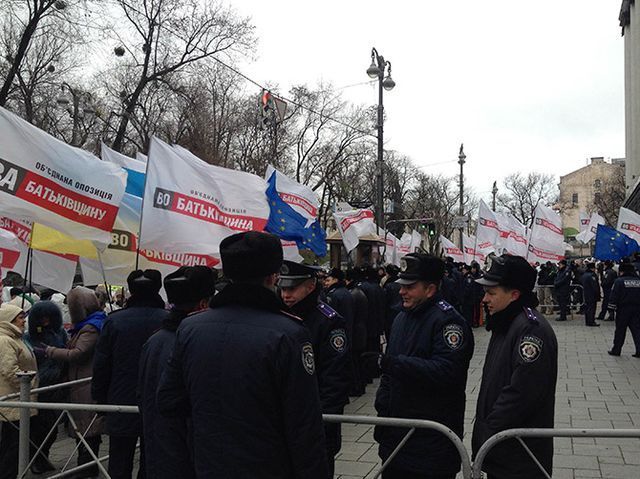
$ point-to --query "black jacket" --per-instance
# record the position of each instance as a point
(625, 296)
(590, 286)
(393, 303)
(115, 364)
(472, 292)
(517, 391)
(608, 278)
(167, 440)
(244, 371)
(375, 323)
(339, 298)
(360, 317)
(562, 283)
(425, 378)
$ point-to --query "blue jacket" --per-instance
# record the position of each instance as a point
(244, 372)
(429, 353)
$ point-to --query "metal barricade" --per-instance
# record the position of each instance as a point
(542, 433)
(25, 404)
(546, 292)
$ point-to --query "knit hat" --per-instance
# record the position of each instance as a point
(9, 312)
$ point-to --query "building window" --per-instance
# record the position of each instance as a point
(597, 184)
(574, 198)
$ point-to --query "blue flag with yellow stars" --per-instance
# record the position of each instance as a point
(289, 225)
(613, 245)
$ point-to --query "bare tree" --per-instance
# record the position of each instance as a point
(525, 192)
(609, 197)
(174, 35)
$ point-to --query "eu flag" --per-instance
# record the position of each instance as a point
(613, 245)
(289, 225)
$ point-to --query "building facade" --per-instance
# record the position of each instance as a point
(586, 189)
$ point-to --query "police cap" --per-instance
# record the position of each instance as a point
(250, 255)
(147, 282)
(416, 267)
(292, 274)
(336, 273)
(509, 271)
(627, 268)
(190, 284)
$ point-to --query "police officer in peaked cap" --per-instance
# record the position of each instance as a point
(300, 291)
(424, 373)
(520, 370)
(243, 372)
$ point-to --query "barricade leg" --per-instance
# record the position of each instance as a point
(25, 421)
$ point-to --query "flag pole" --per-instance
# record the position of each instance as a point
(26, 272)
(104, 278)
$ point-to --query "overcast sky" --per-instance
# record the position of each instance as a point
(527, 86)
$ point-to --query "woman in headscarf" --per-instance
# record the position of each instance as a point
(87, 319)
(45, 329)
(15, 356)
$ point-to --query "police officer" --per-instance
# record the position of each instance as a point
(520, 371)
(608, 278)
(166, 444)
(244, 373)
(339, 298)
(300, 292)
(424, 374)
(376, 300)
(359, 344)
(562, 288)
(625, 302)
(591, 294)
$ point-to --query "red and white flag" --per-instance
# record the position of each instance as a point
(47, 181)
(390, 253)
(469, 249)
(546, 238)
(290, 251)
(416, 241)
(353, 225)
(450, 249)
(190, 205)
(590, 231)
(629, 223)
(404, 246)
(515, 241)
(584, 220)
(487, 230)
(300, 197)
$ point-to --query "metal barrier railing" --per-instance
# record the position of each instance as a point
(25, 404)
(542, 433)
(576, 290)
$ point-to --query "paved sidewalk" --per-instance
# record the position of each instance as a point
(594, 390)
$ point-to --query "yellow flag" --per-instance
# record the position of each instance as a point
(47, 239)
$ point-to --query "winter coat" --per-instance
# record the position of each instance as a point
(608, 278)
(360, 318)
(79, 355)
(339, 298)
(15, 356)
(393, 303)
(244, 371)
(376, 309)
(517, 391)
(562, 283)
(167, 440)
(425, 378)
(115, 366)
(591, 287)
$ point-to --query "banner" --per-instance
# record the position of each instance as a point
(487, 230)
(290, 251)
(590, 231)
(629, 223)
(51, 270)
(190, 205)
(300, 197)
(353, 225)
(391, 255)
(50, 182)
(584, 220)
(10, 251)
(135, 169)
(450, 249)
(546, 239)
(515, 240)
(469, 249)
(404, 246)
(416, 241)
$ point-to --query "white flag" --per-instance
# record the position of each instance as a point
(190, 205)
(469, 250)
(300, 197)
(48, 181)
(629, 223)
(141, 157)
(516, 241)
(404, 247)
(450, 249)
(584, 220)
(416, 241)
(390, 254)
(51, 270)
(353, 225)
(290, 251)
(487, 231)
(546, 239)
(590, 232)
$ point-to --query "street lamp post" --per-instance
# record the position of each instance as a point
(377, 70)
(79, 107)
(461, 158)
(494, 192)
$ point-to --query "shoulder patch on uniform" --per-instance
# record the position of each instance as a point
(327, 310)
(291, 316)
(338, 340)
(530, 348)
(307, 358)
(531, 315)
(444, 306)
(453, 336)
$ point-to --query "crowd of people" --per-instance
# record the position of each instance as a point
(232, 374)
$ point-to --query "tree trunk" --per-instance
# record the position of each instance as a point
(20, 54)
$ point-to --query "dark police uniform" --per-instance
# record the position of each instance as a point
(359, 344)
(625, 301)
(331, 351)
(591, 292)
(562, 290)
(244, 372)
(608, 278)
(518, 378)
(424, 375)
